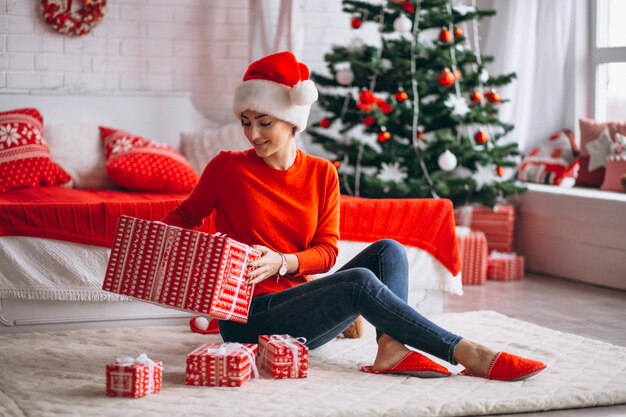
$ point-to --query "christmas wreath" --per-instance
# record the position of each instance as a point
(59, 15)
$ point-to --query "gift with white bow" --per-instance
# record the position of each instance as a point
(283, 356)
(222, 364)
(133, 377)
(179, 268)
(505, 266)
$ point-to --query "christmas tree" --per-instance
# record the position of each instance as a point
(418, 116)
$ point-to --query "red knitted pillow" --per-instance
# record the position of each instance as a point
(552, 161)
(139, 164)
(24, 157)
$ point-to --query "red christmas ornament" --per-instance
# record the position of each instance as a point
(402, 96)
(336, 163)
(369, 120)
(476, 97)
(420, 135)
(481, 137)
(367, 100)
(408, 6)
(493, 96)
(446, 78)
(384, 136)
(60, 16)
(325, 123)
(445, 36)
(458, 32)
(500, 171)
(356, 23)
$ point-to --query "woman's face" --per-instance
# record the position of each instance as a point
(268, 135)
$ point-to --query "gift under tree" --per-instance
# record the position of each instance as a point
(417, 116)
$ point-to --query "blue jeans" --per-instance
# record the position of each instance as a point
(373, 284)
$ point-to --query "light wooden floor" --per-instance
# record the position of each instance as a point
(590, 311)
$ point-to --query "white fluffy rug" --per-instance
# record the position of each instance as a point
(62, 374)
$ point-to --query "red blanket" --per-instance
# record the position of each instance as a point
(90, 217)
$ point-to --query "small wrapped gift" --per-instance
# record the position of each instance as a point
(180, 268)
(133, 378)
(498, 224)
(473, 250)
(283, 356)
(505, 266)
(222, 364)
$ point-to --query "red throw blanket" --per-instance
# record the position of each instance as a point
(90, 217)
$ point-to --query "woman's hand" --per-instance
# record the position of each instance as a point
(266, 266)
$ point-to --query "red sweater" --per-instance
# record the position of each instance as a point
(290, 211)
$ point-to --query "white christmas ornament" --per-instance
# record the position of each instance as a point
(402, 24)
(385, 64)
(484, 76)
(392, 172)
(344, 76)
(599, 150)
(356, 45)
(447, 161)
(201, 323)
(457, 104)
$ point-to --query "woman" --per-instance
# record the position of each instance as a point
(286, 204)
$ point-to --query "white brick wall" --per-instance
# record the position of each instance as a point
(153, 47)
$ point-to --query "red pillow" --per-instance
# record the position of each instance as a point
(24, 157)
(589, 131)
(139, 164)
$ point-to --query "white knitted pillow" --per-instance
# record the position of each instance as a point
(200, 147)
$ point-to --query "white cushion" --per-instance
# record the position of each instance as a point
(78, 149)
(200, 147)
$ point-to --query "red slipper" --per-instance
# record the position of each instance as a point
(413, 364)
(508, 367)
(203, 326)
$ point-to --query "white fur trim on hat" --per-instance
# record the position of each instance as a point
(277, 100)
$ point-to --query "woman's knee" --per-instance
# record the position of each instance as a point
(391, 246)
(362, 276)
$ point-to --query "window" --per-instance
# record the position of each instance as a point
(608, 55)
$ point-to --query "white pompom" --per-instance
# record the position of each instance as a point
(201, 323)
(304, 93)
(402, 24)
(447, 161)
(345, 77)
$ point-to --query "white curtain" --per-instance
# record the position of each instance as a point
(268, 35)
(535, 39)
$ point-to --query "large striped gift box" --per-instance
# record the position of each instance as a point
(222, 364)
(498, 224)
(473, 249)
(179, 268)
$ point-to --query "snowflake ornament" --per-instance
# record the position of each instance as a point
(463, 9)
(392, 173)
(457, 104)
(484, 176)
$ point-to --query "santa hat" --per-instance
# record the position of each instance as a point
(278, 85)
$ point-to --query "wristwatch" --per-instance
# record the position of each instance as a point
(283, 266)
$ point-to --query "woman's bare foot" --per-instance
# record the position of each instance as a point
(475, 357)
(390, 352)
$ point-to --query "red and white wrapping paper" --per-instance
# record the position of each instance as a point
(498, 224)
(473, 250)
(283, 356)
(222, 364)
(133, 378)
(180, 268)
(505, 266)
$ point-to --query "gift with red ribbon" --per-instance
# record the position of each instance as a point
(179, 268)
(133, 377)
(505, 266)
(283, 356)
(222, 364)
